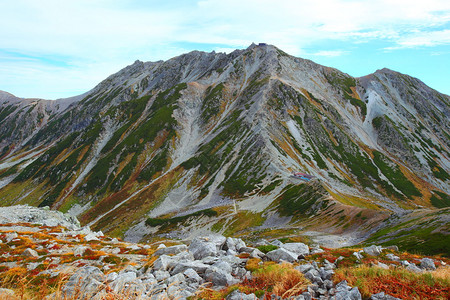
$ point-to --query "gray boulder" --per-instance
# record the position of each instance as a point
(197, 266)
(276, 243)
(119, 283)
(85, 283)
(30, 253)
(358, 255)
(219, 277)
(344, 292)
(392, 257)
(203, 247)
(161, 275)
(427, 264)
(297, 248)
(171, 250)
(281, 254)
(163, 262)
(382, 296)
(191, 275)
(238, 295)
(224, 266)
(373, 250)
(413, 268)
(304, 268)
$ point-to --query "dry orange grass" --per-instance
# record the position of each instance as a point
(397, 282)
(283, 278)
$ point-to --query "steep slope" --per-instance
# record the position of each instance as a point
(212, 139)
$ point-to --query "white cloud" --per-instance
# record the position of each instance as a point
(102, 36)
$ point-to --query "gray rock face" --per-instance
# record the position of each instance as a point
(413, 268)
(238, 295)
(121, 280)
(203, 247)
(392, 257)
(85, 283)
(171, 250)
(297, 248)
(383, 296)
(373, 250)
(219, 277)
(30, 253)
(35, 215)
(281, 254)
(197, 266)
(427, 264)
(344, 292)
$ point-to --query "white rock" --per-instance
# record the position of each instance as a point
(30, 253)
(91, 237)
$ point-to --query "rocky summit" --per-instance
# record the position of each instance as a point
(47, 255)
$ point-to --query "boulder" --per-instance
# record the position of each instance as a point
(118, 285)
(281, 254)
(171, 250)
(175, 279)
(413, 268)
(222, 265)
(344, 292)
(91, 237)
(197, 266)
(257, 254)
(161, 275)
(358, 255)
(201, 248)
(10, 236)
(382, 265)
(191, 275)
(276, 243)
(427, 264)
(297, 248)
(304, 268)
(373, 250)
(219, 277)
(238, 295)
(382, 296)
(30, 253)
(79, 250)
(85, 283)
(163, 262)
(392, 257)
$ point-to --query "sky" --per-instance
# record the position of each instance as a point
(53, 49)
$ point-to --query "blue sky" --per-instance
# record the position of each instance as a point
(52, 49)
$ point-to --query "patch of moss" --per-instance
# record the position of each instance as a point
(267, 248)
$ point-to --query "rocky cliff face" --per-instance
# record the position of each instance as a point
(210, 140)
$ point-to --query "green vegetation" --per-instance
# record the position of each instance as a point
(153, 222)
(300, 199)
(438, 171)
(211, 103)
(440, 200)
(415, 235)
(395, 175)
(159, 119)
(267, 248)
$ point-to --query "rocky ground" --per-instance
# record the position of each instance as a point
(46, 254)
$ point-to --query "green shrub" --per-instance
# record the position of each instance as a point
(267, 248)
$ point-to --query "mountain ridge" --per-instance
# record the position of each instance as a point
(215, 131)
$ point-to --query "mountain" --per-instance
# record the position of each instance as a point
(209, 142)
